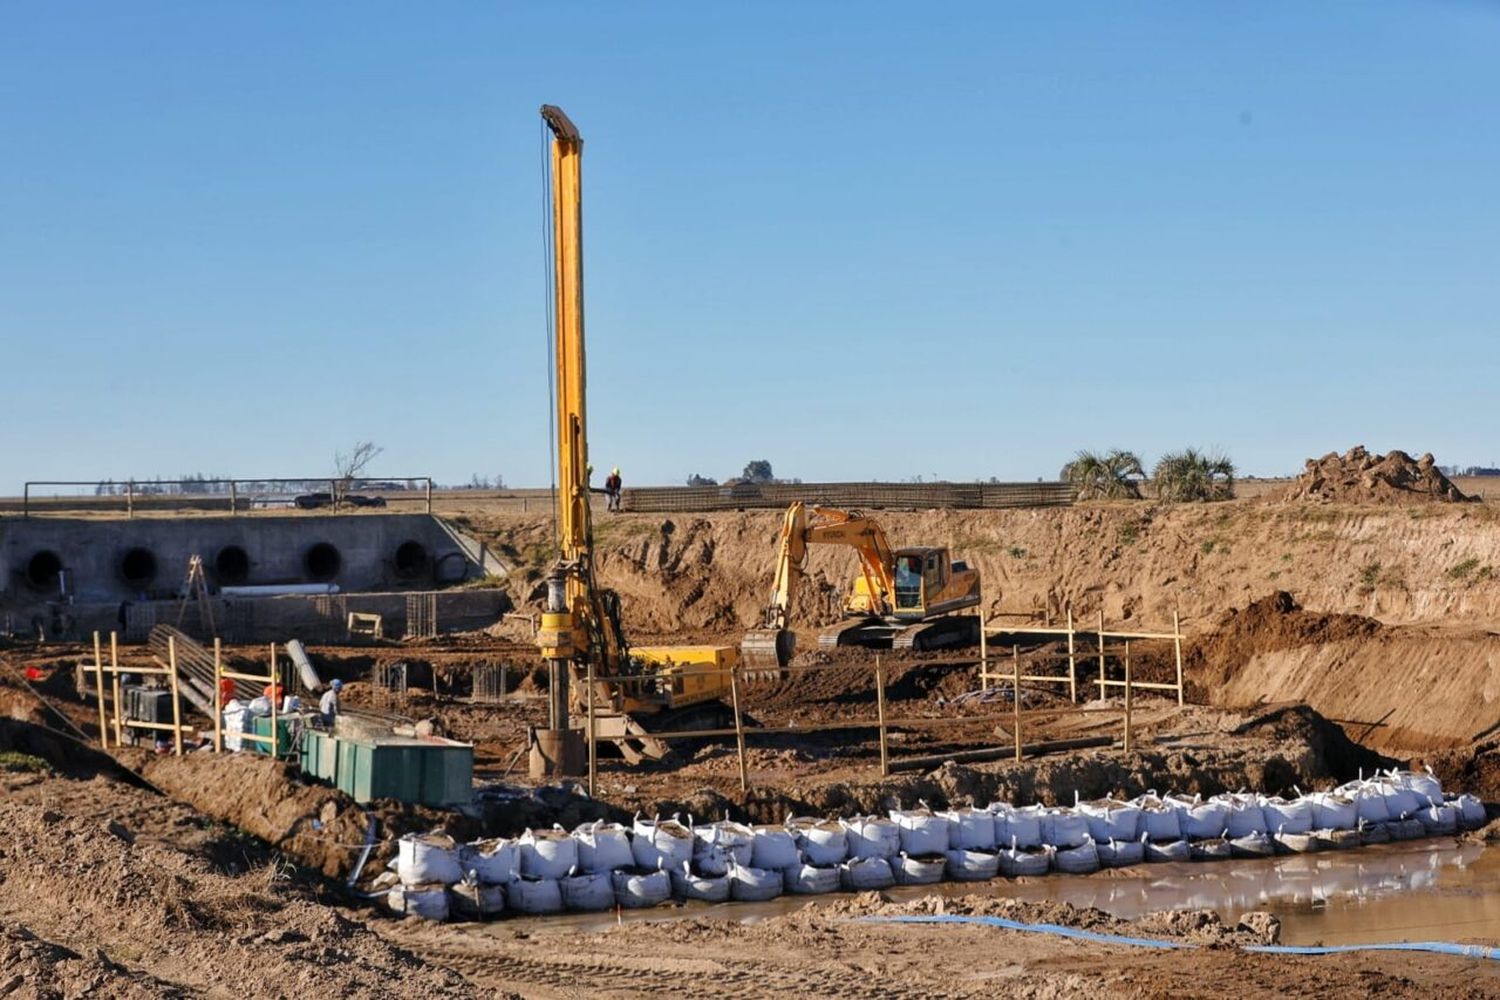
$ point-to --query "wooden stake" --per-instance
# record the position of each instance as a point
(1015, 697)
(99, 690)
(984, 657)
(1127, 696)
(176, 700)
(1072, 659)
(218, 698)
(1101, 654)
(1177, 644)
(885, 759)
(739, 726)
(593, 750)
(275, 697)
(114, 666)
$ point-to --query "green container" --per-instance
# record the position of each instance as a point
(260, 725)
(426, 772)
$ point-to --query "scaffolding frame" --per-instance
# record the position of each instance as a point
(116, 712)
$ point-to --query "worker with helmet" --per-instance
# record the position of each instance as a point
(328, 705)
(612, 489)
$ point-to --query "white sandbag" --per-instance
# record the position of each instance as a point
(1410, 828)
(1253, 845)
(547, 853)
(490, 862)
(719, 845)
(1471, 812)
(911, 870)
(1369, 803)
(1425, 786)
(863, 874)
(871, 837)
(603, 847)
(1110, 820)
(922, 831)
(236, 721)
(474, 900)
(1200, 819)
(821, 842)
(1170, 850)
(709, 888)
(1439, 820)
(772, 848)
(1023, 828)
(588, 892)
(636, 890)
(809, 880)
(425, 858)
(970, 829)
(1245, 819)
(1064, 828)
(752, 884)
(972, 866)
(1080, 860)
(1334, 811)
(534, 896)
(1400, 801)
(1336, 840)
(1283, 816)
(1288, 842)
(1159, 820)
(1374, 833)
(1120, 853)
(430, 902)
(1212, 850)
(1001, 813)
(1017, 861)
(660, 843)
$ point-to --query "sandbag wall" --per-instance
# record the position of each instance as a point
(600, 866)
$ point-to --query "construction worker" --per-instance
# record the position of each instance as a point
(612, 486)
(328, 705)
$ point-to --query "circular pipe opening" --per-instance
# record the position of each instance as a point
(43, 569)
(322, 562)
(232, 565)
(138, 567)
(411, 560)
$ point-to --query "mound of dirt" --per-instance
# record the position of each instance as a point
(1360, 477)
(1273, 623)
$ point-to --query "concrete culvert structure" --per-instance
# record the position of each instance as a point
(138, 567)
(43, 569)
(411, 560)
(232, 565)
(322, 561)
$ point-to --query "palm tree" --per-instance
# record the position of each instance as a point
(1112, 476)
(1191, 476)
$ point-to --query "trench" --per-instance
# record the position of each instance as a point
(1433, 890)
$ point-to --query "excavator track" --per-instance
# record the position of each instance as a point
(869, 632)
(952, 632)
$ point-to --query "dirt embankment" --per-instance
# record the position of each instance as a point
(1360, 477)
(710, 574)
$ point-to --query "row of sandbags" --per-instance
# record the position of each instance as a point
(602, 865)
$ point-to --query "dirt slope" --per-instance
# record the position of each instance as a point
(710, 573)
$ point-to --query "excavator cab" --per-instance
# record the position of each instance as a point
(922, 578)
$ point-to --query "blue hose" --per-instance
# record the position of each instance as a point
(1436, 947)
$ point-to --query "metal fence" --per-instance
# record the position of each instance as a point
(234, 495)
(877, 496)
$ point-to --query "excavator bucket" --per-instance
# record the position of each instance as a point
(767, 651)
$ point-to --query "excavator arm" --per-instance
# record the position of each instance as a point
(772, 643)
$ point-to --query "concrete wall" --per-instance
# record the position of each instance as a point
(112, 560)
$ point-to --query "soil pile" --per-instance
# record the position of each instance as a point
(1272, 624)
(1360, 477)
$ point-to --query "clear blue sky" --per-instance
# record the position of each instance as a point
(854, 239)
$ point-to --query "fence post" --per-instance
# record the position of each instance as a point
(1127, 695)
(218, 698)
(984, 657)
(429, 494)
(99, 689)
(1177, 644)
(130, 498)
(885, 759)
(1072, 659)
(234, 507)
(593, 752)
(1015, 697)
(1102, 693)
(26, 500)
(275, 697)
(739, 725)
(176, 698)
(114, 665)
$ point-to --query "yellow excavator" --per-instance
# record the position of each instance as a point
(901, 599)
(636, 689)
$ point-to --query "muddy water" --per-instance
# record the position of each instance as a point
(1431, 890)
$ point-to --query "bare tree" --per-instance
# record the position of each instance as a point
(350, 466)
